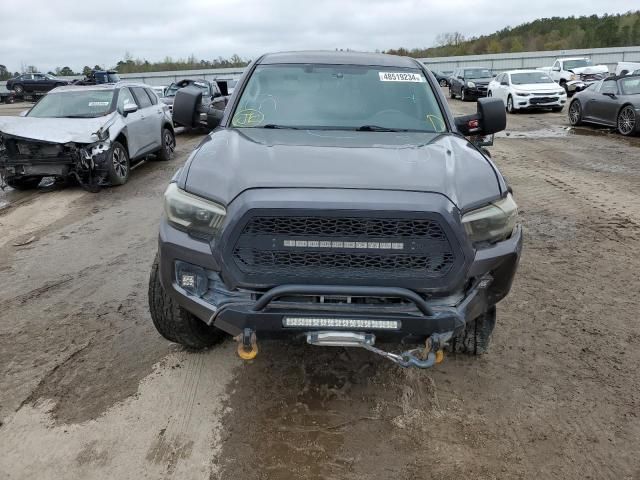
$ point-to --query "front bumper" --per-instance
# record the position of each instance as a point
(419, 315)
(531, 102)
(476, 92)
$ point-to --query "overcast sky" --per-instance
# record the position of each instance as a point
(49, 34)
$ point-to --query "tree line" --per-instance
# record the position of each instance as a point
(554, 33)
(130, 65)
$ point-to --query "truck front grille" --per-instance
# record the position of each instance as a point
(292, 248)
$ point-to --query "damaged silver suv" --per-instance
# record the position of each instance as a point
(92, 133)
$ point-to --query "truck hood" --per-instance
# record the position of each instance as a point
(54, 130)
(230, 161)
(590, 70)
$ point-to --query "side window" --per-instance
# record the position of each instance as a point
(152, 96)
(609, 86)
(557, 64)
(125, 98)
(499, 78)
(141, 97)
(39, 76)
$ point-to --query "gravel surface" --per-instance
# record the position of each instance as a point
(88, 389)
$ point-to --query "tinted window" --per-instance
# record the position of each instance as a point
(630, 86)
(141, 97)
(609, 87)
(477, 73)
(338, 97)
(152, 96)
(125, 98)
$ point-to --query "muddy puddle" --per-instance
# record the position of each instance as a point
(557, 131)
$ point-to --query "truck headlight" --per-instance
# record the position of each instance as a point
(191, 213)
(471, 85)
(492, 223)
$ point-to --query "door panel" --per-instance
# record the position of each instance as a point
(133, 121)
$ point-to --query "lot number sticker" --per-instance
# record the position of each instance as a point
(400, 77)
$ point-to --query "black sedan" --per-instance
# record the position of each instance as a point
(613, 102)
(34, 83)
(441, 77)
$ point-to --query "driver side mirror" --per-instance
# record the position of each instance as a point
(214, 117)
(129, 108)
(491, 117)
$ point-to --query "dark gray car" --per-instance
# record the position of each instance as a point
(338, 201)
(469, 83)
(613, 102)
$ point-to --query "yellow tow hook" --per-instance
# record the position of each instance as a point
(439, 356)
(247, 344)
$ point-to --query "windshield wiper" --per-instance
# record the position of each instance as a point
(275, 126)
(377, 128)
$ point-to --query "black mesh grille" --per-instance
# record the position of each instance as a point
(343, 227)
(288, 248)
(357, 265)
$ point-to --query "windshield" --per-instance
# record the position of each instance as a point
(630, 86)
(477, 73)
(571, 64)
(73, 104)
(107, 77)
(174, 87)
(530, 77)
(50, 77)
(338, 97)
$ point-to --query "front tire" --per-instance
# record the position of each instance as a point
(118, 167)
(462, 95)
(626, 122)
(23, 183)
(575, 113)
(510, 107)
(476, 336)
(443, 83)
(175, 323)
(451, 94)
(168, 145)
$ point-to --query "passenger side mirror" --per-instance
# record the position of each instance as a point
(129, 108)
(214, 117)
(504, 82)
(491, 117)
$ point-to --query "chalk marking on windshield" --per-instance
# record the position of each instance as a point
(99, 104)
(431, 118)
(247, 118)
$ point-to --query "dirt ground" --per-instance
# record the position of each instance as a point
(88, 389)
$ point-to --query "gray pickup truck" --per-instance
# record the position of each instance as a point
(338, 200)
